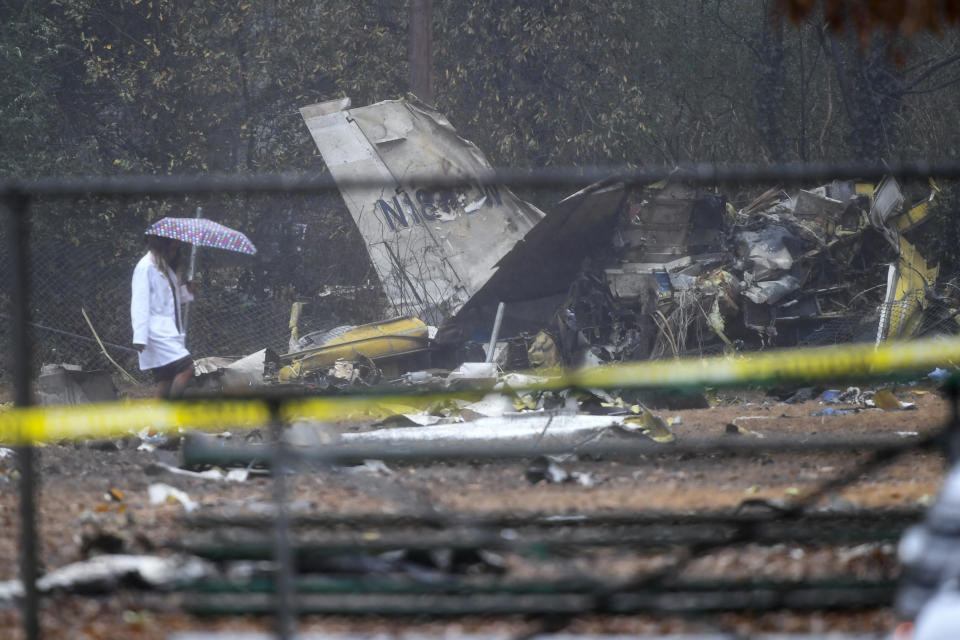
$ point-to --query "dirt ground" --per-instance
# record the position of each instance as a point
(78, 512)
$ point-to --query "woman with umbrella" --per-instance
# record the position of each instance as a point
(157, 294)
(156, 316)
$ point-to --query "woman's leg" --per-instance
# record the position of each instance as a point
(172, 378)
(179, 382)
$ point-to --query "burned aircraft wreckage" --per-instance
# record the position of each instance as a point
(609, 273)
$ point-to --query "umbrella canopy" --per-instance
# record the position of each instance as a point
(203, 233)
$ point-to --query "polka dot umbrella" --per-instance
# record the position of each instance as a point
(203, 233)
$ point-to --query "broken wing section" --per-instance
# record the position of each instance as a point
(432, 248)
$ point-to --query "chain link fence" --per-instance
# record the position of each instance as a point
(83, 253)
(81, 283)
(87, 297)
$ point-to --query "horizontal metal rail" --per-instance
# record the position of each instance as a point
(709, 598)
(206, 451)
(479, 585)
(543, 177)
(225, 546)
(762, 513)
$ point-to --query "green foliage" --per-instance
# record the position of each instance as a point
(30, 49)
(559, 83)
(157, 86)
(510, 77)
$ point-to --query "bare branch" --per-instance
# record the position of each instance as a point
(930, 71)
(936, 88)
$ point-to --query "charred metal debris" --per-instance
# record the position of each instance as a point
(609, 273)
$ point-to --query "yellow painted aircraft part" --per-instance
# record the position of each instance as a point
(916, 214)
(295, 312)
(911, 218)
(909, 296)
(375, 340)
(543, 352)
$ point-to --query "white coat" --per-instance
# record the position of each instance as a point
(155, 314)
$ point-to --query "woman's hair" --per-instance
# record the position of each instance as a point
(158, 246)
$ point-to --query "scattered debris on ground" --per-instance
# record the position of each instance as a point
(677, 272)
(69, 384)
(613, 274)
(106, 573)
(476, 276)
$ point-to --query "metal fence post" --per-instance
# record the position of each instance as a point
(283, 585)
(952, 435)
(17, 205)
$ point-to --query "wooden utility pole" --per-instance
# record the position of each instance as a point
(421, 49)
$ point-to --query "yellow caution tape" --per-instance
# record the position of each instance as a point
(50, 424)
(781, 366)
(120, 419)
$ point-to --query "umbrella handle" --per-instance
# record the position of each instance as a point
(191, 267)
(193, 253)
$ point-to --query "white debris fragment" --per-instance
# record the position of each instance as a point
(149, 441)
(546, 470)
(233, 475)
(371, 466)
(519, 381)
(475, 205)
(10, 590)
(474, 371)
(510, 426)
(423, 418)
(109, 571)
(160, 493)
(237, 475)
(154, 571)
(584, 479)
(492, 405)
(418, 377)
